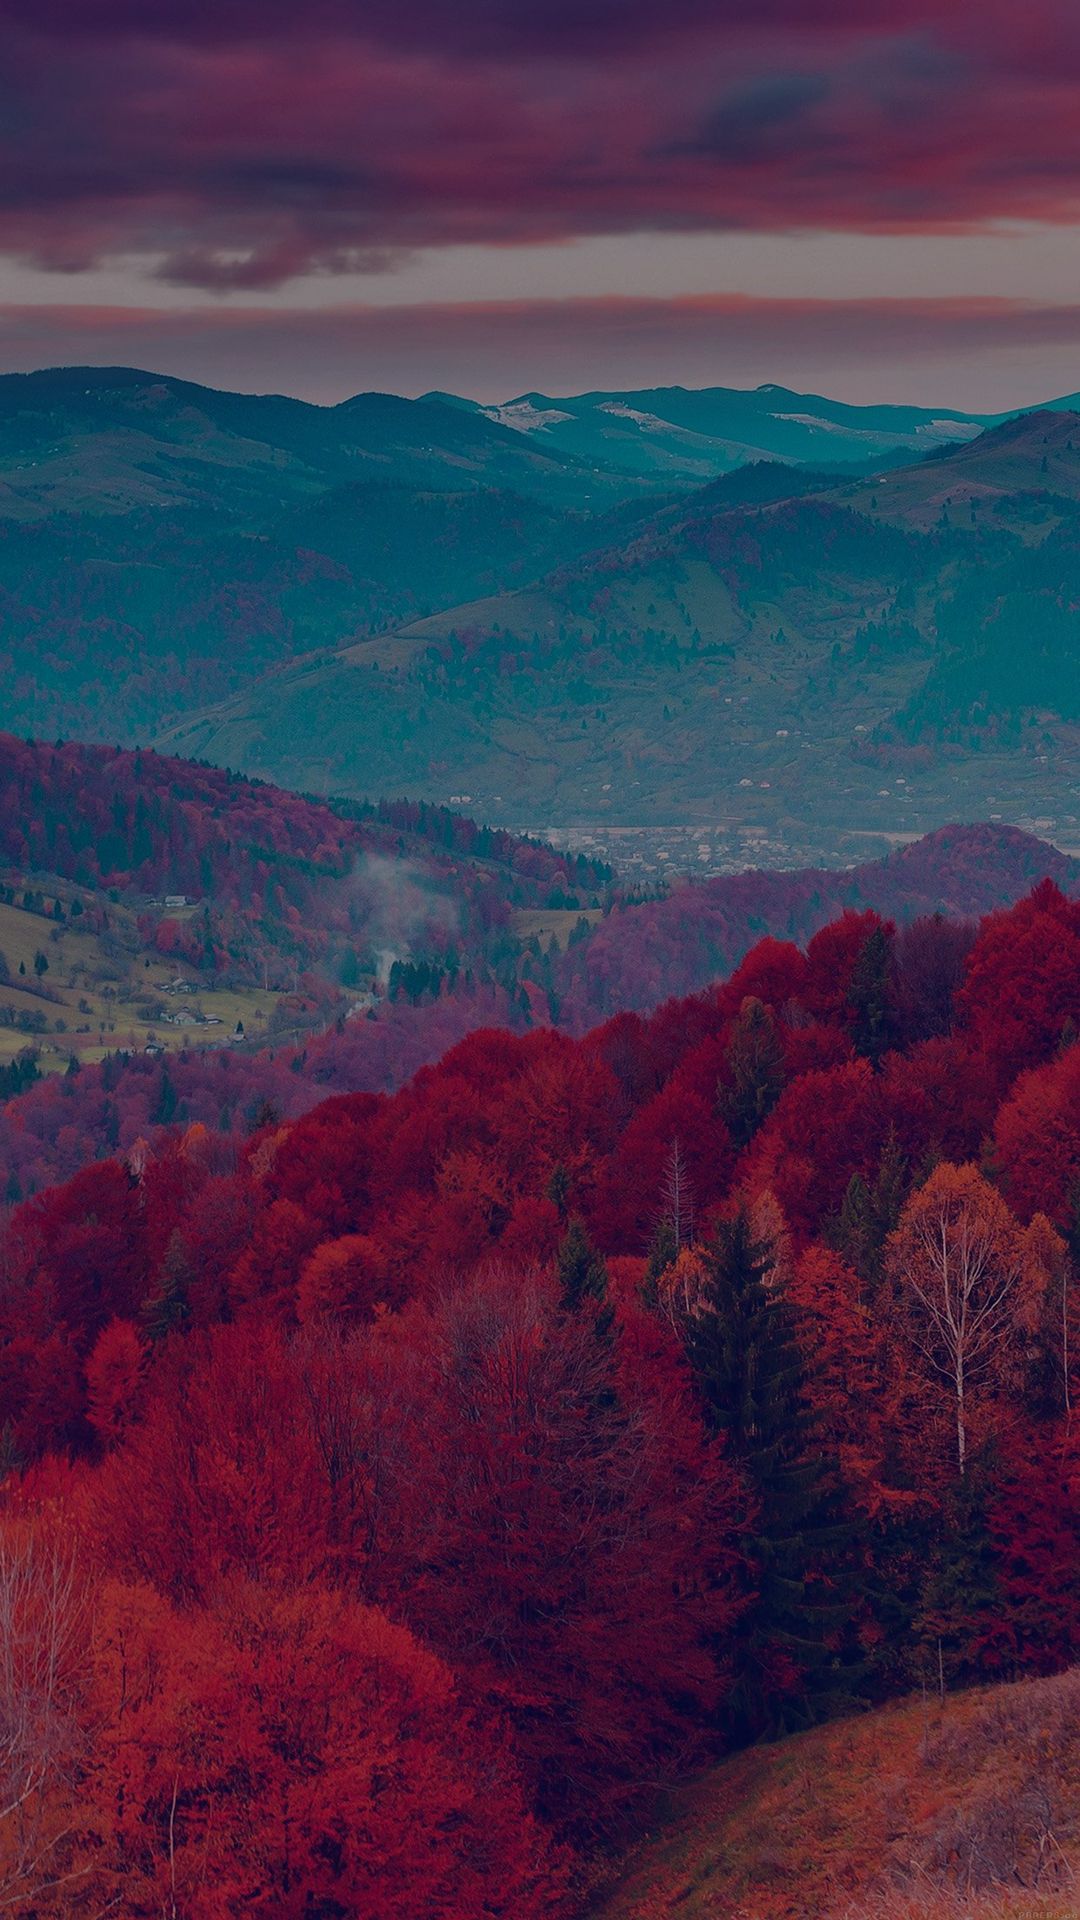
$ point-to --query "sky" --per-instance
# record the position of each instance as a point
(877, 199)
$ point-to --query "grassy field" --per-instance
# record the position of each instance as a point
(914, 1812)
(552, 923)
(93, 998)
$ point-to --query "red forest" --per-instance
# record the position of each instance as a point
(396, 1497)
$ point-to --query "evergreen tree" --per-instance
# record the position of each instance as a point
(870, 1212)
(558, 1189)
(793, 1657)
(581, 1270)
(960, 1591)
(165, 1108)
(583, 1278)
(663, 1252)
(870, 995)
(754, 1076)
(167, 1308)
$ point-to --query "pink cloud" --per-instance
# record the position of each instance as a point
(246, 144)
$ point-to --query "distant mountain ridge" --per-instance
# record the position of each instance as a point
(777, 647)
(398, 595)
(697, 433)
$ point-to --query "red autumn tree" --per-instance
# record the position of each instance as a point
(284, 1755)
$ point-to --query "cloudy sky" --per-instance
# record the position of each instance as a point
(874, 198)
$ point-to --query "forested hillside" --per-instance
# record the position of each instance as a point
(271, 875)
(412, 597)
(426, 1406)
(810, 658)
(179, 944)
(695, 931)
(162, 544)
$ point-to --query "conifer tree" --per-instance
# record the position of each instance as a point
(581, 1270)
(791, 1661)
(167, 1308)
(754, 1078)
(165, 1110)
(663, 1252)
(961, 1591)
(870, 1211)
(558, 1189)
(870, 995)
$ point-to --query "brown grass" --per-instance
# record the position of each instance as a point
(916, 1812)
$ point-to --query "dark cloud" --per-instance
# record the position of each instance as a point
(243, 144)
(470, 28)
(757, 119)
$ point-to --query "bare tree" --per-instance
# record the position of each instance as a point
(959, 1257)
(42, 1632)
(677, 1196)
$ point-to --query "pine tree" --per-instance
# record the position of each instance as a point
(961, 1591)
(869, 1213)
(754, 1078)
(558, 1189)
(851, 1231)
(167, 1309)
(870, 995)
(793, 1657)
(165, 1108)
(663, 1253)
(581, 1270)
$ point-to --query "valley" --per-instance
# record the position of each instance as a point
(539, 960)
(436, 1230)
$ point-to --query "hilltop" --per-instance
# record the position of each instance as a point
(698, 931)
(110, 439)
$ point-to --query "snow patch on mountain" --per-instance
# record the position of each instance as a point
(524, 417)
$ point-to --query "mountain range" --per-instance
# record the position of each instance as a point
(685, 434)
(894, 650)
(555, 616)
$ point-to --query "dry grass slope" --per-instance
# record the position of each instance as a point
(971, 1812)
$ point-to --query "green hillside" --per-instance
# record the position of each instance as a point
(889, 652)
(162, 544)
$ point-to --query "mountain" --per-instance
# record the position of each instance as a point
(161, 544)
(845, 657)
(688, 434)
(113, 439)
(405, 596)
